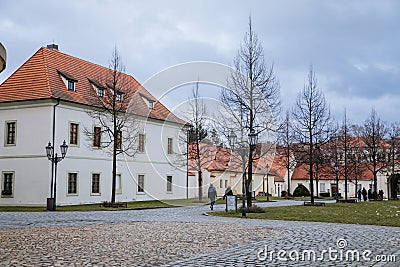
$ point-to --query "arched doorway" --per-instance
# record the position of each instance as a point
(393, 186)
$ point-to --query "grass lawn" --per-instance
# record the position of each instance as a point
(371, 213)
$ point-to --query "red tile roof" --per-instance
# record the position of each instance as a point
(326, 172)
(40, 78)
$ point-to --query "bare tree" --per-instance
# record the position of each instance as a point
(373, 133)
(286, 139)
(253, 93)
(118, 131)
(313, 123)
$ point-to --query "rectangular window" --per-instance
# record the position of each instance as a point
(118, 187)
(221, 183)
(226, 183)
(169, 183)
(73, 133)
(72, 183)
(140, 183)
(119, 140)
(11, 132)
(170, 143)
(118, 97)
(96, 136)
(100, 92)
(322, 187)
(71, 86)
(7, 189)
(151, 104)
(95, 184)
(141, 142)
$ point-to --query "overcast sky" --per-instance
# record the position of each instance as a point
(354, 46)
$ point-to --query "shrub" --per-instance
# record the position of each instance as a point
(301, 191)
(254, 209)
(325, 194)
(284, 194)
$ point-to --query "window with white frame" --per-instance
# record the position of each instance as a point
(7, 184)
(97, 137)
(100, 92)
(170, 146)
(95, 184)
(140, 184)
(226, 183)
(169, 183)
(10, 133)
(71, 85)
(221, 183)
(73, 133)
(72, 187)
(141, 142)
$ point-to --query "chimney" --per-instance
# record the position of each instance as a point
(53, 46)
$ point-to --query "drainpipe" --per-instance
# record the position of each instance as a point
(54, 134)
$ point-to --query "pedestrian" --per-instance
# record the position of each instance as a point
(364, 193)
(381, 194)
(228, 192)
(359, 195)
(370, 194)
(212, 195)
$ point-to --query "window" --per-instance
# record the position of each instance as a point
(119, 140)
(96, 136)
(151, 104)
(118, 97)
(169, 183)
(141, 142)
(170, 151)
(322, 187)
(7, 188)
(72, 183)
(11, 132)
(100, 92)
(73, 133)
(140, 183)
(95, 184)
(221, 183)
(71, 86)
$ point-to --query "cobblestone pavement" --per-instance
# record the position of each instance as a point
(186, 237)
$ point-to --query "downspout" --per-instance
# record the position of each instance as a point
(54, 134)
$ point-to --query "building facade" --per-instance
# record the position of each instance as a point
(51, 89)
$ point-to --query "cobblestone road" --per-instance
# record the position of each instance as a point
(181, 237)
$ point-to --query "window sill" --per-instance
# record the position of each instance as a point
(72, 195)
(7, 196)
(95, 194)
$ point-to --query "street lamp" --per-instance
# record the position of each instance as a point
(253, 139)
(337, 182)
(232, 141)
(267, 172)
(51, 202)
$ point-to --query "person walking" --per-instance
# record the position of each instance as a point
(228, 192)
(359, 195)
(364, 193)
(212, 195)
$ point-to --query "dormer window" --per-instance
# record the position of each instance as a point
(148, 101)
(68, 80)
(71, 86)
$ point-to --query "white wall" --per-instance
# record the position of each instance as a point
(33, 170)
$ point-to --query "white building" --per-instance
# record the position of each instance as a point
(51, 82)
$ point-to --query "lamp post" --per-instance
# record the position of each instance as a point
(337, 182)
(54, 158)
(253, 139)
(267, 172)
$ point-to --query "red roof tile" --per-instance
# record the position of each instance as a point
(39, 78)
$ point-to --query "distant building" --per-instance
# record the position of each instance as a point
(51, 81)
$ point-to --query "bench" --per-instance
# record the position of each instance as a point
(115, 204)
(309, 203)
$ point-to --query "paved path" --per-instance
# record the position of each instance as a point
(298, 244)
